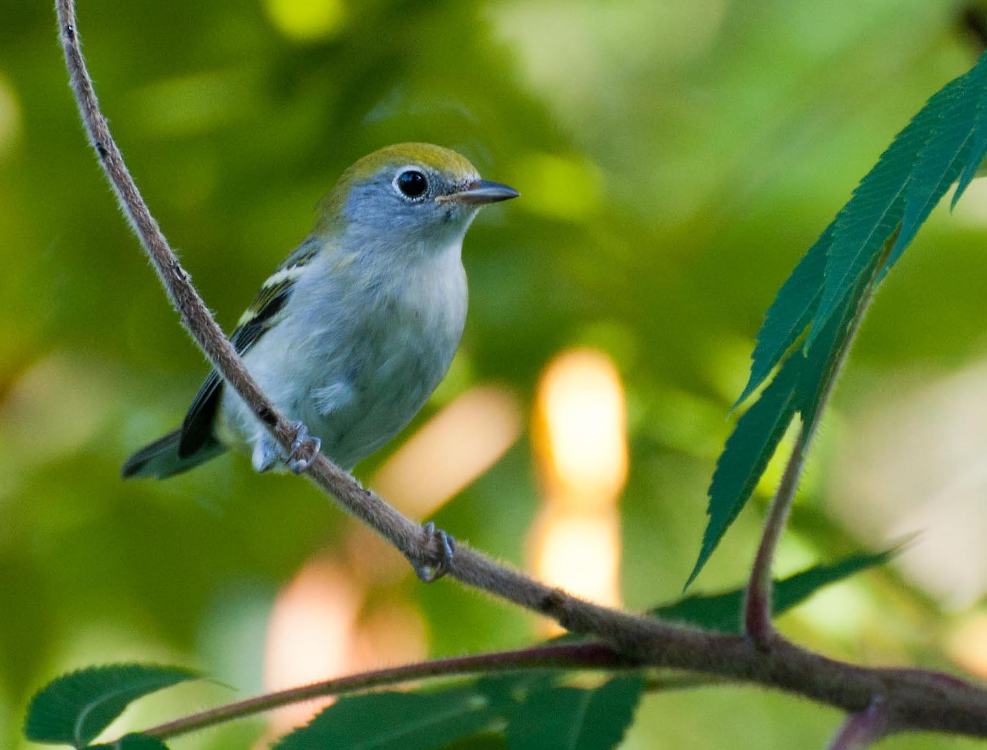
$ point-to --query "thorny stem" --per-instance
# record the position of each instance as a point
(914, 699)
(757, 605)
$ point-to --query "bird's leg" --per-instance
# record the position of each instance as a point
(304, 448)
(434, 569)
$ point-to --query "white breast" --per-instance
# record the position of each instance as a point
(360, 349)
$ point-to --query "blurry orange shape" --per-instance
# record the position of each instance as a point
(310, 636)
(580, 552)
(392, 633)
(967, 644)
(581, 451)
(451, 450)
(371, 560)
(581, 421)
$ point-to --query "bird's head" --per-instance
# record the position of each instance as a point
(413, 192)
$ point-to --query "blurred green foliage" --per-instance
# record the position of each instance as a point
(675, 159)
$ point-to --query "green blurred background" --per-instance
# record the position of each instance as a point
(675, 157)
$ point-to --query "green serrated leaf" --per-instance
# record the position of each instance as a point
(943, 157)
(722, 612)
(875, 209)
(824, 354)
(565, 718)
(789, 314)
(746, 454)
(978, 150)
(396, 721)
(821, 358)
(133, 742)
(76, 707)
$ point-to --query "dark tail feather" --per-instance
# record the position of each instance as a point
(160, 459)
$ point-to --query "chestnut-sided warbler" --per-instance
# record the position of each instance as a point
(355, 329)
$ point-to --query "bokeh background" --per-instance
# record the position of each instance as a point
(675, 158)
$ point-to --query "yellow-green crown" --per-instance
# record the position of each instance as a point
(453, 166)
(424, 154)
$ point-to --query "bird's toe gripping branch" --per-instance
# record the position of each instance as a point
(433, 569)
(304, 449)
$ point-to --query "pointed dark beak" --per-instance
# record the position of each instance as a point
(482, 192)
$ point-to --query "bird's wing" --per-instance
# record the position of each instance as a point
(262, 315)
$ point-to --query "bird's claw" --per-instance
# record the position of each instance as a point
(304, 449)
(434, 569)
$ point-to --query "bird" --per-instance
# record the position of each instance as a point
(353, 331)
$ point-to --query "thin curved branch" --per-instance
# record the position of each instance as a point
(757, 605)
(915, 699)
(562, 655)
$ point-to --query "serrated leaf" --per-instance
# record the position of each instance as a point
(746, 454)
(396, 721)
(133, 741)
(789, 314)
(820, 360)
(875, 209)
(979, 148)
(943, 157)
(722, 612)
(824, 354)
(76, 707)
(566, 718)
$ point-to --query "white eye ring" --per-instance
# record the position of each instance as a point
(411, 183)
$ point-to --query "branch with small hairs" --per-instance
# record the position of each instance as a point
(911, 699)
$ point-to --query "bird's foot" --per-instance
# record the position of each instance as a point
(434, 569)
(304, 449)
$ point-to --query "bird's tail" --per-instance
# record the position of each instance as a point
(160, 459)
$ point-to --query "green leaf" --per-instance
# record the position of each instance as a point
(75, 708)
(396, 721)
(486, 741)
(746, 454)
(566, 718)
(722, 612)
(133, 742)
(875, 209)
(978, 150)
(821, 359)
(789, 314)
(944, 156)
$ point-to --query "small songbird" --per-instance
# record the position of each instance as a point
(355, 329)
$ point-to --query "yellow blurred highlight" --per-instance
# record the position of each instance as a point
(451, 450)
(581, 451)
(581, 423)
(580, 551)
(325, 624)
(561, 187)
(10, 116)
(310, 635)
(966, 645)
(307, 20)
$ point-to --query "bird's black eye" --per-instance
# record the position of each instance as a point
(412, 183)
